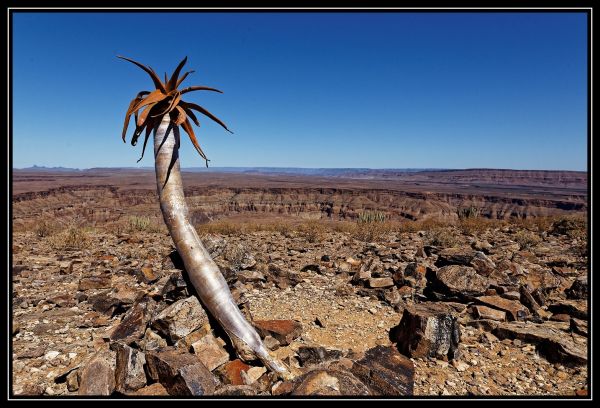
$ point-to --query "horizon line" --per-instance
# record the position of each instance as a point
(291, 167)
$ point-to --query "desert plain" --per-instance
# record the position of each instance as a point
(363, 282)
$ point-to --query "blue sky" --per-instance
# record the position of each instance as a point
(377, 90)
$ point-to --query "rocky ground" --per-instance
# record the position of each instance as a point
(488, 315)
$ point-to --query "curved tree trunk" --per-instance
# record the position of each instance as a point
(202, 270)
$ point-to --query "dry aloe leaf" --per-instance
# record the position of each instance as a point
(150, 72)
(199, 88)
(192, 116)
(181, 116)
(183, 77)
(144, 114)
(173, 81)
(205, 112)
(154, 97)
(190, 131)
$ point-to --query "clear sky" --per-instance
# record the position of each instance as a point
(376, 90)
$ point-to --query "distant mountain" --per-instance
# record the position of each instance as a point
(328, 172)
(44, 168)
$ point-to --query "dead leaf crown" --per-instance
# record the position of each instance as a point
(149, 108)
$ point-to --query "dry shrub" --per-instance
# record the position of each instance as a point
(371, 231)
(573, 227)
(312, 231)
(526, 239)
(443, 237)
(72, 238)
(283, 228)
(45, 228)
(472, 226)
(221, 227)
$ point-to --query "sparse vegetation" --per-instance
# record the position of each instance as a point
(368, 217)
(573, 227)
(443, 237)
(371, 226)
(312, 230)
(45, 228)
(73, 238)
(139, 224)
(526, 239)
(467, 212)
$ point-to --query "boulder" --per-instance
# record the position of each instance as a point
(95, 282)
(528, 300)
(236, 391)
(381, 282)
(129, 372)
(181, 318)
(579, 326)
(484, 312)
(385, 371)
(459, 281)
(454, 256)
(428, 330)
(579, 288)
(231, 372)
(97, 376)
(181, 373)
(133, 324)
(210, 352)
(155, 389)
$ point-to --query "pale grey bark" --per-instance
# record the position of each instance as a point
(202, 270)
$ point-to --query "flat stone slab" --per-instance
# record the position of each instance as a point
(514, 309)
(575, 308)
(555, 344)
(460, 280)
(484, 312)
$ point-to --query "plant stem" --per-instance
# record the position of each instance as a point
(201, 269)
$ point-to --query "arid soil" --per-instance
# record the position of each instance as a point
(67, 303)
(101, 304)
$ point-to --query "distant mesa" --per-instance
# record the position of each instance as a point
(44, 168)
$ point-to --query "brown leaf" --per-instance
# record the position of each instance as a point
(181, 116)
(153, 97)
(205, 112)
(133, 102)
(182, 78)
(190, 131)
(149, 127)
(150, 71)
(199, 88)
(192, 116)
(144, 114)
(173, 80)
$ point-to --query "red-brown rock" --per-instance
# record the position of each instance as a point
(514, 309)
(285, 331)
(231, 373)
(385, 371)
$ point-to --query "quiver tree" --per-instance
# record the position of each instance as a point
(162, 111)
